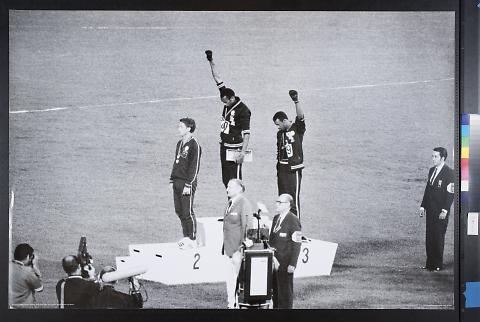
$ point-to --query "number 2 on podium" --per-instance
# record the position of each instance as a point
(197, 258)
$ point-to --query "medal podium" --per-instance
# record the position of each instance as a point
(168, 264)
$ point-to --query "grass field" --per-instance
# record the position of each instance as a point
(378, 92)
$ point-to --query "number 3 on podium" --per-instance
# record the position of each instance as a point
(305, 255)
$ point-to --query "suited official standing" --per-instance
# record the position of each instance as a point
(235, 225)
(284, 225)
(436, 203)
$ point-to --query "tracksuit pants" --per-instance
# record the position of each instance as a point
(290, 182)
(184, 208)
(230, 169)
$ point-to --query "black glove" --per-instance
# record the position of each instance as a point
(294, 95)
(209, 55)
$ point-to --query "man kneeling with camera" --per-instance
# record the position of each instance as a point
(109, 298)
(79, 292)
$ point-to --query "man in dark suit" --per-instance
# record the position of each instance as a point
(284, 225)
(436, 203)
(75, 292)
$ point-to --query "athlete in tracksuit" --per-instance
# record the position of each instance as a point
(184, 178)
(290, 153)
(234, 128)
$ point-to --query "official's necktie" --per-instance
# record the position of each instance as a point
(433, 176)
(229, 206)
(277, 225)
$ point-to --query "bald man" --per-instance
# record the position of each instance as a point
(75, 292)
(284, 225)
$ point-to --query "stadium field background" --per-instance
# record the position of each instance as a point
(95, 98)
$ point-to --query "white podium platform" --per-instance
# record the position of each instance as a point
(210, 231)
(315, 259)
(168, 264)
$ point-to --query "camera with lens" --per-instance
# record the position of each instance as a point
(84, 258)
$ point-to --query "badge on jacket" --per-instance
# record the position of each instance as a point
(184, 153)
(282, 234)
(439, 183)
(450, 188)
(290, 135)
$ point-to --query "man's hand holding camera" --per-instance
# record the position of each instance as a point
(134, 284)
(34, 265)
(90, 272)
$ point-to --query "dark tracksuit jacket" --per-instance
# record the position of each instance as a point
(184, 174)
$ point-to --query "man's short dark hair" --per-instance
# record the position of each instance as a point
(22, 251)
(70, 264)
(442, 151)
(281, 116)
(228, 92)
(189, 123)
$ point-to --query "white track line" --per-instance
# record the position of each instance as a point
(10, 215)
(172, 28)
(384, 84)
(216, 96)
(127, 28)
(114, 104)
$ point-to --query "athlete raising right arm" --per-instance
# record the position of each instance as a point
(234, 127)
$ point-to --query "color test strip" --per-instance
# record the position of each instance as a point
(472, 294)
(464, 157)
(474, 162)
(470, 196)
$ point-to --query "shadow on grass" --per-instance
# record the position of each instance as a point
(350, 250)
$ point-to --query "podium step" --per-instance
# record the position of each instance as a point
(168, 264)
(316, 258)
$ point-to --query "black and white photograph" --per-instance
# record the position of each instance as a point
(232, 159)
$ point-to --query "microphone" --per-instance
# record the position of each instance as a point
(261, 207)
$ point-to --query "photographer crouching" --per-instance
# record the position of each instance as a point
(109, 298)
(81, 290)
